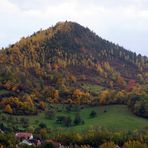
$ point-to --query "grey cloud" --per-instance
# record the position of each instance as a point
(124, 21)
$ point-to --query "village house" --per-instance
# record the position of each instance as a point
(24, 136)
(27, 139)
(1, 131)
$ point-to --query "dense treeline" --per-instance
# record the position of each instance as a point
(93, 137)
(139, 104)
(137, 100)
(97, 136)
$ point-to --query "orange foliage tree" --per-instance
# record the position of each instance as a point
(8, 109)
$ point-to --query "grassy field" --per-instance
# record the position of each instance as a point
(92, 87)
(116, 118)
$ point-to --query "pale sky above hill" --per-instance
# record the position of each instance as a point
(121, 21)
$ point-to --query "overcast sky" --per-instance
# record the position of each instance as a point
(121, 21)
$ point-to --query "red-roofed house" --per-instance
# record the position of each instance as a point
(24, 136)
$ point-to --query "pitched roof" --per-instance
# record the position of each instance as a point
(23, 135)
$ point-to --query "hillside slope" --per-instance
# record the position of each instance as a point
(66, 61)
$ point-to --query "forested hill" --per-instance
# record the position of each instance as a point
(67, 57)
(66, 39)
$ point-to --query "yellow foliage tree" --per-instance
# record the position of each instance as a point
(121, 81)
(134, 144)
(29, 100)
(42, 105)
(43, 133)
(104, 96)
(108, 145)
(8, 109)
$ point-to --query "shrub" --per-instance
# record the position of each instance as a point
(93, 114)
(108, 145)
(50, 114)
(42, 125)
(77, 119)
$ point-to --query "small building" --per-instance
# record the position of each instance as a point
(1, 131)
(25, 142)
(24, 136)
